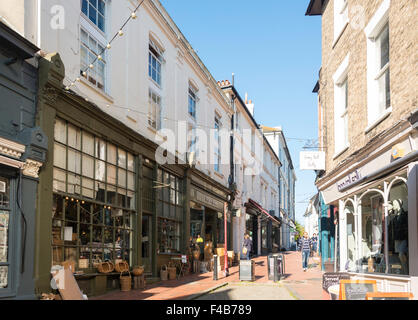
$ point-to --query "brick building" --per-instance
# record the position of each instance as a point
(367, 113)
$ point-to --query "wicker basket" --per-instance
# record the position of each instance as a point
(172, 270)
(138, 271)
(105, 267)
(125, 282)
(121, 266)
(164, 273)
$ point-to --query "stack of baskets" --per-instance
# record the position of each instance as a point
(125, 280)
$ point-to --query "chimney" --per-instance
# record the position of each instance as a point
(246, 98)
(249, 105)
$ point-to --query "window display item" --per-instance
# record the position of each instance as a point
(164, 273)
(83, 263)
(105, 267)
(138, 270)
(125, 282)
(121, 266)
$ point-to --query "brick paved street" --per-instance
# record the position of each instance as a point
(295, 285)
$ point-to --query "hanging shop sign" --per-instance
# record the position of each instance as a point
(312, 160)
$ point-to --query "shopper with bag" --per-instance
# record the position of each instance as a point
(246, 247)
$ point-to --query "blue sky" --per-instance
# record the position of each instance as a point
(274, 51)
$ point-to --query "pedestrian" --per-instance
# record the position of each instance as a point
(305, 247)
(314, 244)
(199, 242)
(246, 247)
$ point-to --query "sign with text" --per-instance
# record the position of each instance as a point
(348, 180)
(356, 289)
(312, 160)
(333, 278)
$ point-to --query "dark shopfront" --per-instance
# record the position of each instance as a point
(90, 209)
(22, 153)
(206, 203)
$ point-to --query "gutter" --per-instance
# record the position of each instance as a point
(383, 171)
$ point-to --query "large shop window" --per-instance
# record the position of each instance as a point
(381, 253)
(169, 211)
(4, 231)
(94, 198)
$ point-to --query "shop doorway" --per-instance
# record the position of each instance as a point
(146, 243)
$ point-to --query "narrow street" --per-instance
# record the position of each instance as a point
(296, 285)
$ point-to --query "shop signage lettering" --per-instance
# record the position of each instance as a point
(349, 180)
(207, 200)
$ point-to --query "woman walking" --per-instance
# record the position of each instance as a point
(246, 247)
(305, 246)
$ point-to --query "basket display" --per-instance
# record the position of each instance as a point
(172, 270)
(196, 254)
(164, 273)
(121, 266)
(125, 282)
(83, 263)
(105, 267)
(138, 271)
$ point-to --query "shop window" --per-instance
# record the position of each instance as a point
(168, 236)
(398, 229)
(351, 238)
(4, 231)
(94, 200)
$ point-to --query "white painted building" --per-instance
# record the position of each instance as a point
(149, 78)
(311, 217)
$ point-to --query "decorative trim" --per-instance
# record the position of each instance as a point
(11, 162)
(31, 168)
(11, 149)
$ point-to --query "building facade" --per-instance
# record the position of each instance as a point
(287, 185)
(367, 115)
(312, 217)
(23, 151)
(254, 170)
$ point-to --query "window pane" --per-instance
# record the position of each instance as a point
(60, 131)
(84, 37)
(74, 161)
(59, 180)
(111, 153)
(122, 178)
(4, 238)
(100, 170)
(131, 162)
(74, 184)
(74, 137)
(131, 181)
(384, 47)
(88, 188)
(60, 156)
(92, 14)
(121, 158)
(100, 149)
(111, 174)
(84, 6)
(101, 7)
(101, 23)
(111, 194)
(88, 143)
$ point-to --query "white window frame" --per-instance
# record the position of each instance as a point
(87, 16)
(340, 77)
(192, 94)
(341, 19)
(154, 116)
(94, 52)
(374, 71)
(159, 60)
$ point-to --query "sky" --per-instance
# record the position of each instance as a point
(274, 50)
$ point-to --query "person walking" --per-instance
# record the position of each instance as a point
(305, 247)
(246, 247)
(314, 244)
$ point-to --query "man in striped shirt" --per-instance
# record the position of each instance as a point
(305, 244)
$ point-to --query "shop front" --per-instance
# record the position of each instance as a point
(375, 210)
(207, 218)
(89, 209)
(23, 150)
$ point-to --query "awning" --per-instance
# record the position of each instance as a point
(260, 208)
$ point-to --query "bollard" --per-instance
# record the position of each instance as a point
(275, 268)
(215, 267)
